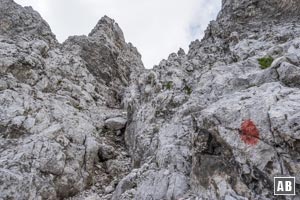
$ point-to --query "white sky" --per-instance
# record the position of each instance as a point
(156, 27)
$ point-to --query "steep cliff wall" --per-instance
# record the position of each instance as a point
(85, 120)
(60, 112)
(216, 123)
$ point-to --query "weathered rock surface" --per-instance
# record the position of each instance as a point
(116, 123)
(53, 105)
(85, 120)
(184, 130)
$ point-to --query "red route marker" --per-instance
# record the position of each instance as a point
(249, 133)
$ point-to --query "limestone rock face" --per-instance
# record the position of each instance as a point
(188, 117)
(53, 105)
(85, 120)
(108, 57)
(18, 22)
(249, 10)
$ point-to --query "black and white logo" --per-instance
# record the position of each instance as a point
(284, 185)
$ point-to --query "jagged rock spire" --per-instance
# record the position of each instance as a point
(110, 30)
(24, 22)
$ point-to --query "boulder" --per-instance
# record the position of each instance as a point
(115, 123)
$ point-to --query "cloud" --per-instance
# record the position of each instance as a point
(157, 28)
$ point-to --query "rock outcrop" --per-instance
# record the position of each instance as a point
(54, 100)
(187, 117)
(85, 120)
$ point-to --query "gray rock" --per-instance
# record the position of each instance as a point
(186, 133)
(116, 123)
(106, 152)
(53, 107)
(192, 129)
(289, 74)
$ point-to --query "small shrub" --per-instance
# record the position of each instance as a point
(151, 78)
(188, 90)
(265, 62)
(77, 106)
(156, 129)
(250, 86)
(169, 85)
(59, 82)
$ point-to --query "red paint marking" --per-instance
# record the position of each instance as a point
(250, 134)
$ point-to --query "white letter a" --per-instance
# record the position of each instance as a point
(280, 186)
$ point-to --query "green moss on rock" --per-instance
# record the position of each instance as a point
(169, 85)
(265, 62)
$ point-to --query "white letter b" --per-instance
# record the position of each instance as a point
(288, 186)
